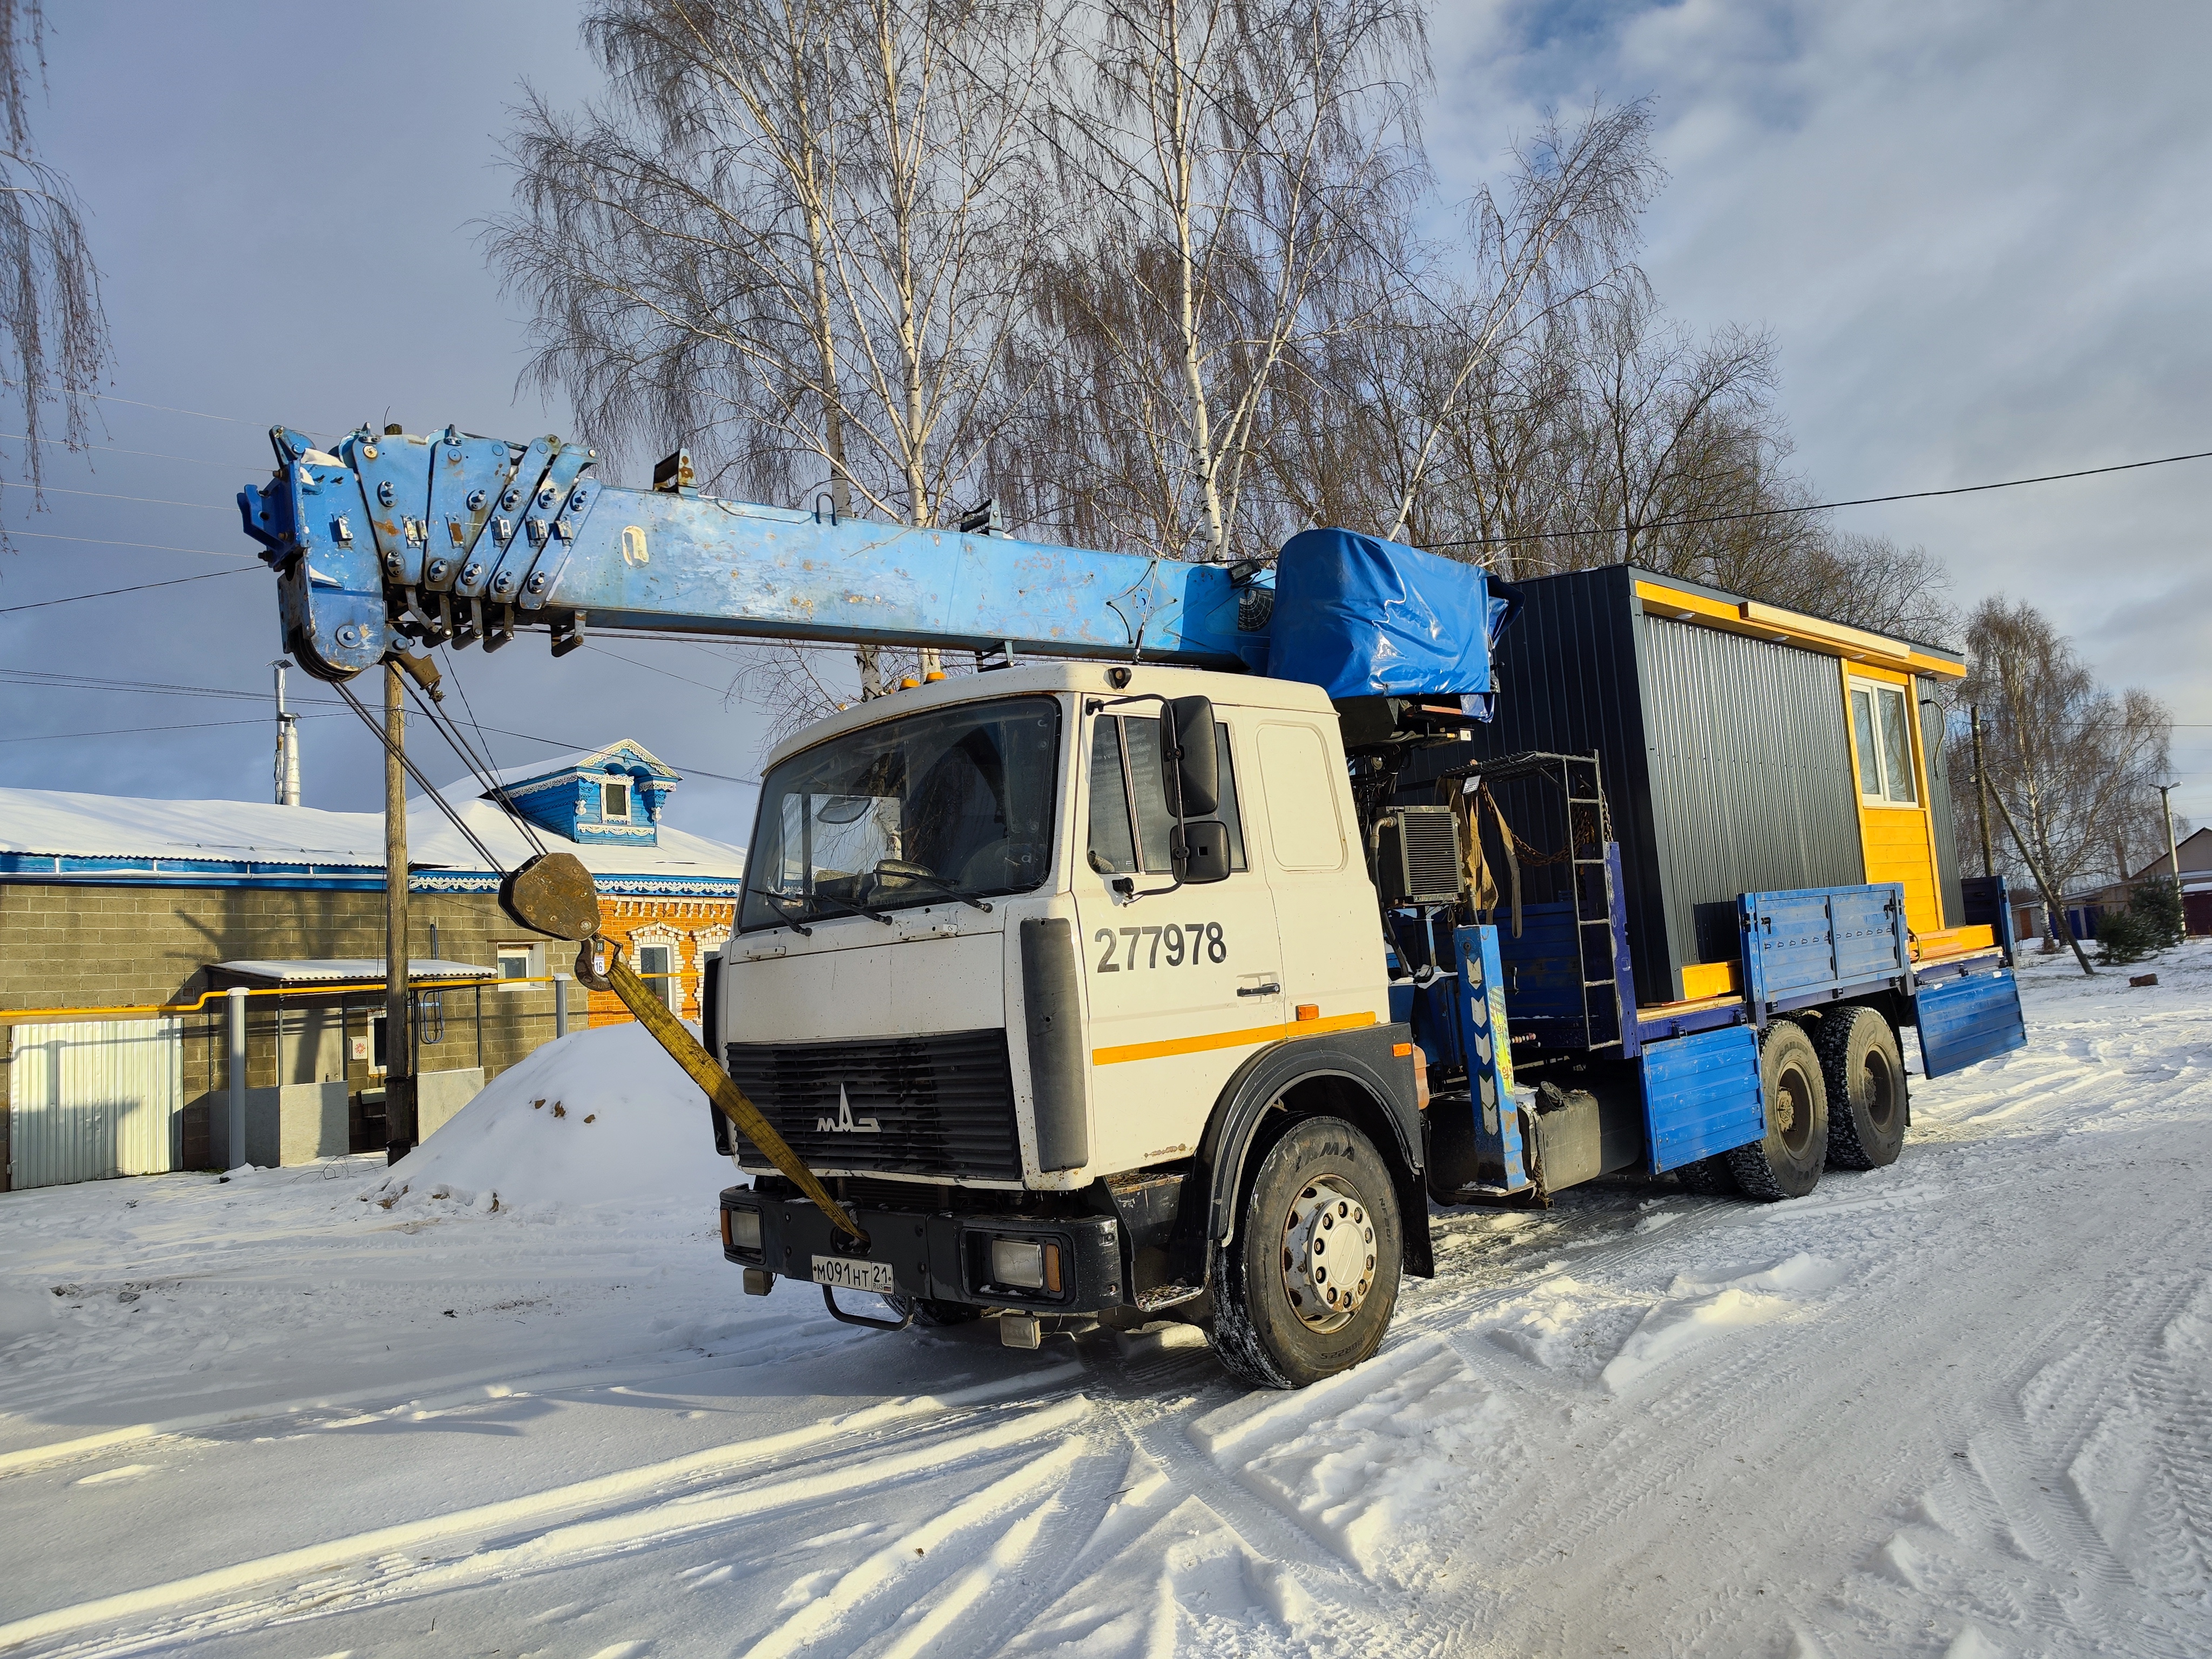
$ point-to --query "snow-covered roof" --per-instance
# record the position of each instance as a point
(51, 833)
(432, 840)
(61, 823)
(347, 971)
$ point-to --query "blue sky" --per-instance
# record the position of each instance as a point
(1978, 230)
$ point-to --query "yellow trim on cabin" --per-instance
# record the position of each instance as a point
(1250, 1037)
(1701, 980)
(1953, 942)
(1767, 622)
(1897, 842)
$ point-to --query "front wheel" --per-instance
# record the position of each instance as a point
(1306, 1287)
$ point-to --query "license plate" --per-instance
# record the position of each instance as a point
(846, 1274)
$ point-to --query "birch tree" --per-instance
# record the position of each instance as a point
(1563, 234)
(1228, 152)
(53, 335)
(795, 234)
(2069, 764)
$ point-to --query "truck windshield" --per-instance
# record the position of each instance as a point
(924, 809)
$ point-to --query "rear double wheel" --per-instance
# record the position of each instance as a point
(1306, 1287)
(1787, 1163)
(1865, 1076)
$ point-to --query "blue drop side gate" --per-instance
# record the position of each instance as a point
(1696, 1064)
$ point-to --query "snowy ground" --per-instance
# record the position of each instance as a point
(1962, 1406)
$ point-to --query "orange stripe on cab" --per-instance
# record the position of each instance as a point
(1250, 1037)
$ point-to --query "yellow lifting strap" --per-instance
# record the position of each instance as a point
(685, 1050)
(1467, 810)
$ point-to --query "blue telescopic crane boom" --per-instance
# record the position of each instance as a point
(403, 540)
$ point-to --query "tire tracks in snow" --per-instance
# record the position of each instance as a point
(622, 1511)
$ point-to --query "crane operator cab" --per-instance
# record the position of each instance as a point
(1068, 980)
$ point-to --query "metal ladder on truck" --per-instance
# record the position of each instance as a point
(1603, 1006)
(1594, 874)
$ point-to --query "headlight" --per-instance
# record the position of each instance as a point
(1025, 1265)
(741, 1230)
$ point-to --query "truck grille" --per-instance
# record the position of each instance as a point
(941, 1105)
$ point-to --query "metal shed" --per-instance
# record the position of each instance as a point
(1733, 741)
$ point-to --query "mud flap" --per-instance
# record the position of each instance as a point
(1965, 1021)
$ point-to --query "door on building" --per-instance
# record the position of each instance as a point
(94, 1098)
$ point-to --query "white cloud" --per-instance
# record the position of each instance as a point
(1979, 230)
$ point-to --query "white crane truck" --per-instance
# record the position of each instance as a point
(1110, 982)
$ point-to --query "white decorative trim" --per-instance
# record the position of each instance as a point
(660, 933)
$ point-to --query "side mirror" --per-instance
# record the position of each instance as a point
(1188, 759)
(1200, 851)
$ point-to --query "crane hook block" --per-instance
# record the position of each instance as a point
(554, 894)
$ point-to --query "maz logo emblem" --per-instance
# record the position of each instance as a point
(845, 1123)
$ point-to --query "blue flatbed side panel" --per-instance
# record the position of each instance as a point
(1804, 944)
(1701, 1096)
(1968, 1020)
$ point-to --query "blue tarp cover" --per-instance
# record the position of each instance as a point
(1359, 617)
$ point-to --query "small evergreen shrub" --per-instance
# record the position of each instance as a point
(2123, 938)
(2151, 921)
(2158, 903)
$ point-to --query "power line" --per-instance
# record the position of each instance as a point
(135, 731)
(110, 592)
(113, 449)
(720, 690)
(107, 541)
(54, 680)
(1823, 506)
(60, 681)
(167, 409)
(149, 501)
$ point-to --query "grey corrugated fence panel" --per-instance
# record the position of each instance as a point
(1749, 775)
(1935, 737)
(93, 1098)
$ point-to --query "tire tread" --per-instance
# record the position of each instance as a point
(1847, 1148)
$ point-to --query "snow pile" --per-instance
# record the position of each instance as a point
(601, 1117)
(1699, 1308)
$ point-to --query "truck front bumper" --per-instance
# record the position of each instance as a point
(1076, 1265)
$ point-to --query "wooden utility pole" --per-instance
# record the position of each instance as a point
(2173, 851)
(398, 1031)
(1982, 793)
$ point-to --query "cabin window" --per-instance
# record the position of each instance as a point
(1113, 842)
(940, 806)
(1128, 787)
(1881, 733)
(614, 802)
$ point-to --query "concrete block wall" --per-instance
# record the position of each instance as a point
(63, 945)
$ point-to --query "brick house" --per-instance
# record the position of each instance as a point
(111, 901)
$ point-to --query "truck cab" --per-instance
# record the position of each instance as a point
(1069, 1033)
